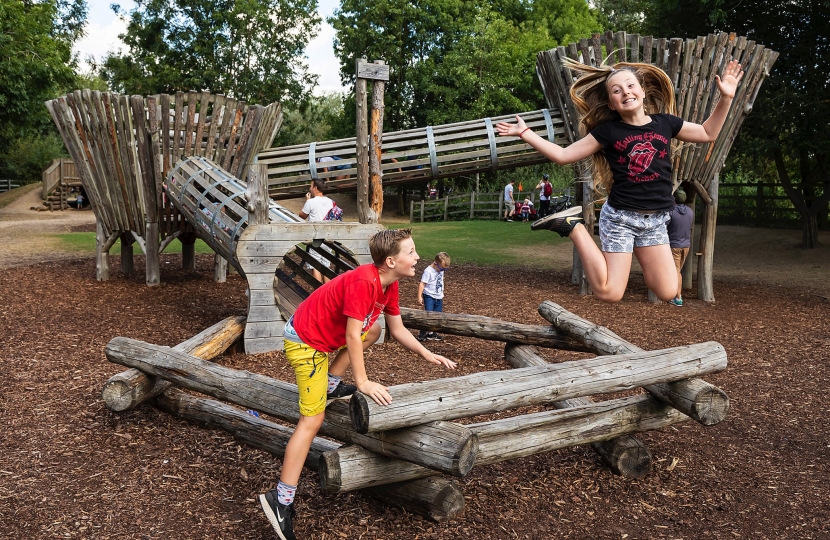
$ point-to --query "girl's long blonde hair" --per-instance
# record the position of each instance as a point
(590, 96)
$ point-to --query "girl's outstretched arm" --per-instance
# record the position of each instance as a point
(581, 149)
(709, 130)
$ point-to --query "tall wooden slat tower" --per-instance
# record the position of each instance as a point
(124, 147)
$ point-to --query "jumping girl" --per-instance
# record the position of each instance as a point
(630, 141)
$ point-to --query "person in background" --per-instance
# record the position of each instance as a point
(431, 291)
(316, 208)
(527, 205)
(509, 203)
(679, 228)
(545, 192)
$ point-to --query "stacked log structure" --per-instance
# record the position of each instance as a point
(399, 452)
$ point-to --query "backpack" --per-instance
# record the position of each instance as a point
(547, 189)
(335, 214)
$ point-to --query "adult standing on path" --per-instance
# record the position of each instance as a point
(509, 203)
(315, 209)
(679, 228)
(545, 191)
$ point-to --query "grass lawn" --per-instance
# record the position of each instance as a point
(483, 243)
(85, 242)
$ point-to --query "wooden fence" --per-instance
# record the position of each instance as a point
(760, 204)
(7, 185)
(466, 206)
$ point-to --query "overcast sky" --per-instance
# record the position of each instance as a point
(103, 28)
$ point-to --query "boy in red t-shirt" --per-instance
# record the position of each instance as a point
(341, 316)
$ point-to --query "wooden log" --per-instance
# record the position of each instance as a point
(127, 241)
(443, 446)
(128, 389)
(435, 498)
(494, 391)
(700, 400)
(626, 455)
(460, 324)
(151, 252)
(352, 467)
(220, 268)
(376, 145)
(705, 264)
(102, 255)
(365, 214)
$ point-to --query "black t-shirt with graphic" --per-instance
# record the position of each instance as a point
(640, 162)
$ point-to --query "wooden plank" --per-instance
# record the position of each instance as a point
(215, 122)
(204, 102)
(367, 70)
(178, 141)
(189, 127)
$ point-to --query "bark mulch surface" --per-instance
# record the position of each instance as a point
(71, 468)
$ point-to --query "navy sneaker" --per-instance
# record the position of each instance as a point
(279, 515)
(434, 337)
(342, 390)
(561, 222)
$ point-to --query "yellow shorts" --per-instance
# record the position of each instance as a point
(311, 369)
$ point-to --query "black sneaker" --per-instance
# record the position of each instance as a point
(562, 222)
(342, 390)
(422, 337)
(278, 514)
(434, 337)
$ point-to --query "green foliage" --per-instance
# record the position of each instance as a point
(37, 65)
(28, 155)
(452, 60)
(248, 49)
(315, 120)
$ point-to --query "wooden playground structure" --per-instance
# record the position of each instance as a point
(167, 167)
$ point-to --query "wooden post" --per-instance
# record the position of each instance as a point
(376, 145)
(688, 266)
(501, 206)
(127, 240)
(411, 211)
(188, 241)
(446, 205)
(759, 204)
(422, 210)
(587, 181)
(102, 260)
(257, 194)
(705, 288)
(151, 252)
(364, 210)
(472, 204)
(220, 268)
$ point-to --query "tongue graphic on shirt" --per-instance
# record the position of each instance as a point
(640, 156)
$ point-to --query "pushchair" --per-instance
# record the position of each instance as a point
(531, 216)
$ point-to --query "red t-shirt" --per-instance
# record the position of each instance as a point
(320, 320)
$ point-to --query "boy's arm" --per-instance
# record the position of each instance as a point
(398, 331)
(354, 345)
(421, 286)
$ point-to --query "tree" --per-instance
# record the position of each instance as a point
(314, 120)
(788, 125)
(455, 59)
(37, 65)
(251, 50)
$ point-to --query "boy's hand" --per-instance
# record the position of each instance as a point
(732, 75)
(376, 391)
(438, 359)
(511, 130)
(421, 299)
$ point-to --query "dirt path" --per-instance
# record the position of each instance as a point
(742, 254)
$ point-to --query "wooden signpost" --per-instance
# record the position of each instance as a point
(369, 142)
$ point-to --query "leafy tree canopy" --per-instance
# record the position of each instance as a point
(248, 49)
(452, 60)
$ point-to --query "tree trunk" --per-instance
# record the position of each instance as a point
(443, 446)
(435, 498)
(126, 390)
(459, 324)
(698, 399)
(494, 391)
(625, 455)
(705, 267)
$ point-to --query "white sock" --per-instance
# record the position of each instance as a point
(285, 493)
(334, 380)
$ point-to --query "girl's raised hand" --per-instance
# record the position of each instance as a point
(511, 130)
(732, 75)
